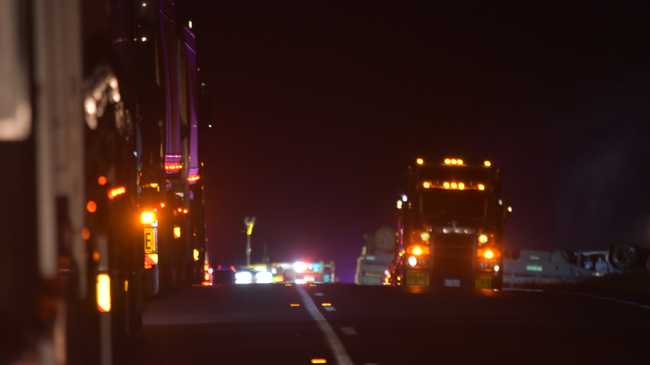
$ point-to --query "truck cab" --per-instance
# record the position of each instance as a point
(450, 224)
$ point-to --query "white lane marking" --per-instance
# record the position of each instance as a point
(524, 290)
(333, 341)
(319, 294)
(330, 309)
(614, 300)
(349, 331)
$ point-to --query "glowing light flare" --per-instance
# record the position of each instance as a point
(300, 267)
(461, 186)
(102, 180)
(243, 277)
(481, 187)
(488, 254)
(483, 238)
(426, 185)
(90, 106)
(425, 236)
(453, 162)
(150, 260)
(148, 217)
(91, 206)
(173, 167)
(103, 292)
(264, 277)
(509, 209)
(412, 261)
(115, 192)
(195, 255)
(177, 232)
(487, 163)
(446, 185)
(419, 161)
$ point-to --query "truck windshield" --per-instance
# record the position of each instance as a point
(441, 204)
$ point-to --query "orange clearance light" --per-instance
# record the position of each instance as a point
(162, 205)
(147, 217)
(103, 291)
(420, 161)
(446, 185)
(447, 161)
(481, 187)
(487, 163)
(487, 254)
(102, 180)
(115, 192)
(326, 304)
(177, 232)
(294, 305)
(185, 211)
(483, 238)
(461, 186)
(417, 251)
(319, 361)
(426, 185)
(454, 185)
(91, 206)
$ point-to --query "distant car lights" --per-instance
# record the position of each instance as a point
(263, 277)
(243, 277)
(300, 267)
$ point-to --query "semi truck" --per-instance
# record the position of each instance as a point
(95, 184)
(450, 226)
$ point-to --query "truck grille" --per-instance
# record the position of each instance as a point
(453, 254)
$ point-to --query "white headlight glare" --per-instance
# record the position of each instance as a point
(243, 277)
(263, 277)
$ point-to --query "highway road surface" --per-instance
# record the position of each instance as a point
(348, 324)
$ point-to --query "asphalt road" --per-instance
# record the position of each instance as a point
(378, 325)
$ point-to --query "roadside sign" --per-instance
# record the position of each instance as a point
(150, 240)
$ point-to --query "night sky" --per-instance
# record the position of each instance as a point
(318, 109)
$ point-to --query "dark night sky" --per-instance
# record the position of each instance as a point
(317, 110)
